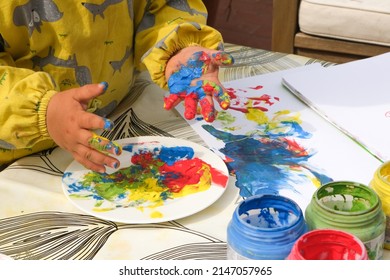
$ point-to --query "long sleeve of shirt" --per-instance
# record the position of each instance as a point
(169, 26)
(24, 97)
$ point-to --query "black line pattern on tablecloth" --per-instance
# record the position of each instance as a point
(138, 127)
(40, 162)
(120, 129)
(252, 62)
(53, 235)
(68, 236)
(193, 251)
(179, 128)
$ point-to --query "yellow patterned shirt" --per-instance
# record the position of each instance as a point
(47, 46)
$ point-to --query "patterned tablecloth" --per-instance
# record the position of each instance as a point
(37, 221)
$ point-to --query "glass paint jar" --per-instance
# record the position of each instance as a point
(328, 244)
(351, 207)
(264, 228)
(381, 185)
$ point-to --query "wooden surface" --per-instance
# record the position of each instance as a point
(273, 25)
(334, 50)
(284, 25)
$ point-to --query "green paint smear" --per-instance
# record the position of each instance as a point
(80, 196)
(226, 118)
(110, 186)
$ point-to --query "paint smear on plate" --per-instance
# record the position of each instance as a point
(157, 174)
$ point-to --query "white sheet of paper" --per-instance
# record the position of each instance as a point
(354, 96)
(331, 152)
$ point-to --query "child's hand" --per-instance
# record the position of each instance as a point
(192, 76)
(70, 126)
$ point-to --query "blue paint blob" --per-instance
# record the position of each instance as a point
(170, 155)
(128, 147)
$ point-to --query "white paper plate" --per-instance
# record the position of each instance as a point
(122, 208)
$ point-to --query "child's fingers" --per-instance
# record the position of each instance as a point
(218, 92)
(190, 106)
(94, 160)
(223, 98)
(91, 121)
(87, 92)
(208, 110)
(222, 58)
(104, 145)
(171, 101)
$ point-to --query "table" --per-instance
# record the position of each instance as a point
(38, 222)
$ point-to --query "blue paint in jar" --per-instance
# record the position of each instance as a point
(264, 227)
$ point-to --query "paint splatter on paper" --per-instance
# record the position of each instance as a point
(156, 176)
(263, 144)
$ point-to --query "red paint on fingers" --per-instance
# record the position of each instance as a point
(190, 105)
(171, 101)
(208, 110)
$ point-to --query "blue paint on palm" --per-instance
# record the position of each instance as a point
(180, 80)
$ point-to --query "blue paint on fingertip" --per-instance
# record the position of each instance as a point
(105, 85)
(108, 124)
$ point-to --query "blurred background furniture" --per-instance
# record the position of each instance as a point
(333, 30)
(243, 22)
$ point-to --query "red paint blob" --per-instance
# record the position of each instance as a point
(143, 159)
(189, 172)
(256, 87)
(328, 244)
